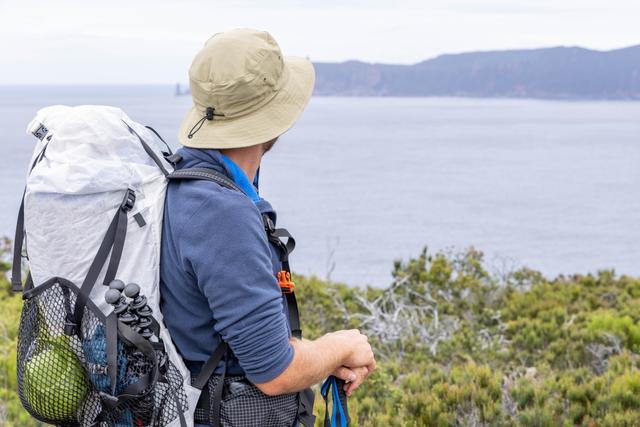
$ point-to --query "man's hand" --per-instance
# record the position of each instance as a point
(353, 377)
(357, 350)
(359, 360)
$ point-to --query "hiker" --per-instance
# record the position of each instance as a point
(225, 283)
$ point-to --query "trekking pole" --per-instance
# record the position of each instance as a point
(333, 389)
(343, 397)
(139, 308)
(114, 297)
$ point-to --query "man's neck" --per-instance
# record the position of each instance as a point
(247, 158)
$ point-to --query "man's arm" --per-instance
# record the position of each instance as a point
(313, 361)
(225, 245)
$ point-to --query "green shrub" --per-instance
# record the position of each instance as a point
(623, 327)
(524, 351)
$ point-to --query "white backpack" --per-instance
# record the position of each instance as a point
(89, 354)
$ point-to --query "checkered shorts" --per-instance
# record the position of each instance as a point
(244, 405)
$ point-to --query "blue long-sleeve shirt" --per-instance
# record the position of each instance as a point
(217, 273)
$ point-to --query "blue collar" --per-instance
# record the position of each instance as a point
(241, 179)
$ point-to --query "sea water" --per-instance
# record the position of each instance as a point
(360, 182)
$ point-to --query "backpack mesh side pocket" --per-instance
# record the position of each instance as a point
(63, 376)
(52, 382)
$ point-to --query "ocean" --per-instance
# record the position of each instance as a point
(361, 182)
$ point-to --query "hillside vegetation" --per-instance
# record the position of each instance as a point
(458, 346)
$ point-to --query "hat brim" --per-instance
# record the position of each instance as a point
(270, 121)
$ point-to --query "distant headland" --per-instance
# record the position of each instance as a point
(548, 73)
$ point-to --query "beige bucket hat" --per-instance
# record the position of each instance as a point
(245, 92)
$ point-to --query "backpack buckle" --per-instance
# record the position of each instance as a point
(174, 158)
(128, 201)
(286, 284)
(70, 328)
(269, 226)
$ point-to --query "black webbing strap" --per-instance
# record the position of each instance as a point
(169, 152)
(206, 175)
(305, 407)
(290, 245)
(210, 365)
(112, 349)
(294, 315)
(144, 384)
(117, 227)
(201, 381)
(16, 269)
(149, 150)
(216, 403)
(275, 235)
(118, 242)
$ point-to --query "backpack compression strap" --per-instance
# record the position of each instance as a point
(18, 241)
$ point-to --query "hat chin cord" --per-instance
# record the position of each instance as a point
(209, 114)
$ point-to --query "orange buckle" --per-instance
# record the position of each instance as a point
(285, 282)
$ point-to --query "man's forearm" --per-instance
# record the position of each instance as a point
(312, 362)
(338, 352)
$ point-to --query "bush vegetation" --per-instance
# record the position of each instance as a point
(460, 346)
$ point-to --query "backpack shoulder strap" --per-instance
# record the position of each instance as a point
(206, 175)
(274, 235)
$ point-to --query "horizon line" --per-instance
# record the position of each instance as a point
(185, 83)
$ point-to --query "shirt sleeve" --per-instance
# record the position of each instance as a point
(226, 245)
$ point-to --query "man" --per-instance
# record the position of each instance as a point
(218, 266)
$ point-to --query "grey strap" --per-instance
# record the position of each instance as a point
(148, 150)
(206, 175)
(115, 233)
(111, 327)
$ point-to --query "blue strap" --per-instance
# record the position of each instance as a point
(339, 411)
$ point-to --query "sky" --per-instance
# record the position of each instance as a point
(144, 41)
